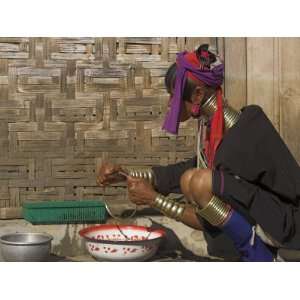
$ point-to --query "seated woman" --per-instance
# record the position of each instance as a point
(243, 183)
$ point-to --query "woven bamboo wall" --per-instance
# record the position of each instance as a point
(68, 103)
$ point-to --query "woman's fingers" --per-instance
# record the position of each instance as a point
(131, 193)
(108, 171)
(99, 181)
(132, 182)
(136, 200)
(105, 178)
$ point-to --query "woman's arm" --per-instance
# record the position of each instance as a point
(167, 178)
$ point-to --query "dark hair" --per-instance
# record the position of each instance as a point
(190, 85)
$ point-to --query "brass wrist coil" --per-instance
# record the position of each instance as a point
(169, 207)
(147, 174)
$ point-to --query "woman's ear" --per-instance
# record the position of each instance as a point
(198, 95)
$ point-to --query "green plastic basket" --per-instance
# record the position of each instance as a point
(65, 212)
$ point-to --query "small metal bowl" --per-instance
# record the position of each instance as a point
(25, 246)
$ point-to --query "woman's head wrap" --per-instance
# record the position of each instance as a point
(196, 65)
(201, 65)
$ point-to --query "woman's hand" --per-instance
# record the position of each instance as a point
(109, 173)
(140, 191)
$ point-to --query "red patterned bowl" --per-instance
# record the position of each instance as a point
(121, 242)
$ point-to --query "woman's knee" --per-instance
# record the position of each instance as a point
(185, 181)
(200, 186)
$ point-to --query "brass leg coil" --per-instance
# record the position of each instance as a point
(216, 212)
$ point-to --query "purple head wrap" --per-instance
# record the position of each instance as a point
(212, 76)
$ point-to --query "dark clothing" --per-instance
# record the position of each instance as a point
(167, 181)
(268, 182)
(255, 172)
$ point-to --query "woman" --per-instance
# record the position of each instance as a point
(248, 182)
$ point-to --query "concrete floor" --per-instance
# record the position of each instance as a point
(69, 245)
(67, 242)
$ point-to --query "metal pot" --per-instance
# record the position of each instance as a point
(25, 246)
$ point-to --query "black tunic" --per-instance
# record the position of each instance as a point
(255, 172)
(167, 181)
(268, 182)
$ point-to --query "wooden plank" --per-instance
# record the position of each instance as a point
(289, 78)
(290, 65)
(235, 71)
(261, 87)
(290, 111)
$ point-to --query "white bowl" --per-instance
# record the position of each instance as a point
(121, 242)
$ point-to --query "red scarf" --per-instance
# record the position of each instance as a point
(216, 130)
(217, 121)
